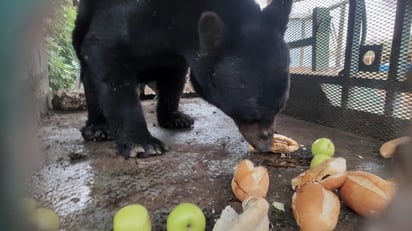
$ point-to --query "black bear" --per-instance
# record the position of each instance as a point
(236, 53)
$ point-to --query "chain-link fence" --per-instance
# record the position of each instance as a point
(349, 60)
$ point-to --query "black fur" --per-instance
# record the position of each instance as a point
(236, 53)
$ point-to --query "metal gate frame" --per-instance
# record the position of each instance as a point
(309, 106)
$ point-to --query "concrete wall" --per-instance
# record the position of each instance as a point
(37, 74)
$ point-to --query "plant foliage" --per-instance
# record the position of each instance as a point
(63, 65)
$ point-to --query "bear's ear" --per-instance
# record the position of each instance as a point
(211, 30)
(277, 13)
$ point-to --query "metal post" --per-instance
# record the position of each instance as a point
(399, 51)
(302, 49)
(321, 37)
(352, 47)
(339, 45)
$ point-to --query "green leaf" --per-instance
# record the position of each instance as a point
(63, 64)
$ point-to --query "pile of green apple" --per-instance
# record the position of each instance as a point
(322, 149)
(184, 217)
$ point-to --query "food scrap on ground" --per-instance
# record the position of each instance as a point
(281, 144)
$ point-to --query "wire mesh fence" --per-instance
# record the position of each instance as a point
(349, 59)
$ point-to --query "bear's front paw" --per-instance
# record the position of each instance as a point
(175, 120)
(93, 132)
(146, 148)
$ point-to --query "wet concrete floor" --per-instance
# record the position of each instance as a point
(86, 183)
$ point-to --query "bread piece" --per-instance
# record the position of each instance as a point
(281, 144)
(315, 208)
(331, 174)
(254, 217)
(366, 193)
(249, 180)
(388, 149)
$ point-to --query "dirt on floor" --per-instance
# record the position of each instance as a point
(86, 182)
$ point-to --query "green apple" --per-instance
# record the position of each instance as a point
(318, 159)
(323, 146)
(186, 217)
(133, 217)
(28, 205)
(44, 219)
